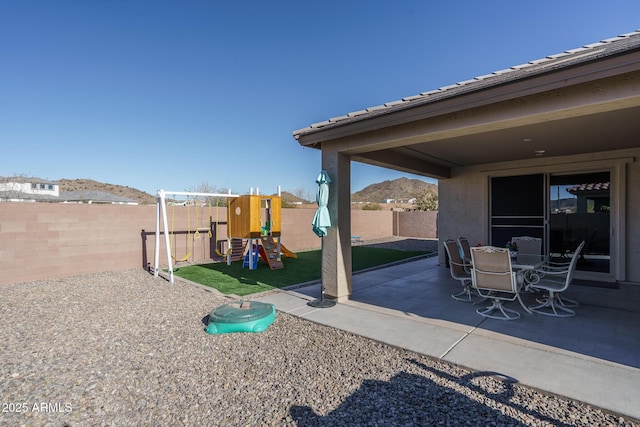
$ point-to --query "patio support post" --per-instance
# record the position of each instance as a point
(336, 254)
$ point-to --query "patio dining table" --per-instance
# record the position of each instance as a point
(527, 277)
(525, 268)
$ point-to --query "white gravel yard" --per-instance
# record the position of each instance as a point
(126, 349)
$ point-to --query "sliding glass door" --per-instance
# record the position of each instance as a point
(563, 210)
(580, 208)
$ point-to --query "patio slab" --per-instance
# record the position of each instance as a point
(593, 357)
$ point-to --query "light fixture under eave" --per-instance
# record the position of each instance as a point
(527, 140)
(539, 153)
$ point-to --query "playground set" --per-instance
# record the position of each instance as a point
(253, 230)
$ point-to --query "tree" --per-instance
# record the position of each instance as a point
(371, 207)
(205, 187)
(427, 201)
(303, 194)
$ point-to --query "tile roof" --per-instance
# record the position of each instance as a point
(586, 53)
(95, 196)
(596, 186)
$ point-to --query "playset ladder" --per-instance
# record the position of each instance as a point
(272, 252)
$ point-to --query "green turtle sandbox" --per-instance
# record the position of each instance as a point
(241, 316)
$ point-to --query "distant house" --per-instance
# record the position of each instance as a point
(28, 189)
(94, 197)
(18, 189)
(412, 201)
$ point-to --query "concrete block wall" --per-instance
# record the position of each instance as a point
(52, 240)
(370, 225)
(416, 224)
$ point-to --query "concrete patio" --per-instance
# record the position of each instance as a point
(593, 357)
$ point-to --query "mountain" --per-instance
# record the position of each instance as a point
(118, 190)
(137, 195)
(289, 198)
(398, 189)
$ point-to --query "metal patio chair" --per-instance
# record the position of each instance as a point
(553, 281)
(458, 270)
(465, 247)
(494, 279)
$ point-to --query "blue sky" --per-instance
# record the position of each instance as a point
(173, 94)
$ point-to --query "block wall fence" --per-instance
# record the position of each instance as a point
(51, 240)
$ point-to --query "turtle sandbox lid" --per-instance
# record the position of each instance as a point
(241, 316)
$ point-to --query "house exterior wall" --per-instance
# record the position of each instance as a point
(27, 188)
(462, 202)
(464, 199)
(53, 240)
(632, 242)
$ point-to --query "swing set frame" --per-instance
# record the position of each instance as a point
(161, 216)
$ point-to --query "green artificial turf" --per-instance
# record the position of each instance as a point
(233, 279)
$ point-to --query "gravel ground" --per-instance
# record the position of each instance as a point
(125, 349)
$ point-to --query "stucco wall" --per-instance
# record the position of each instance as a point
(50, 240)
(463, 199)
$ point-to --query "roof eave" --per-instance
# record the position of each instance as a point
(609, 67)
(571, 67)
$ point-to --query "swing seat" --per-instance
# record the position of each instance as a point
(183, 259)
(221, 254)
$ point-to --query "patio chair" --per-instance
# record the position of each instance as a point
(458, 271)
(494, 279)
(553, 282)
(465, 248)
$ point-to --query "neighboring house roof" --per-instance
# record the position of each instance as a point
(94, 196)
(22, 179)
(551, 63)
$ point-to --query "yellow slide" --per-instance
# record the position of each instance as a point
(286, 252)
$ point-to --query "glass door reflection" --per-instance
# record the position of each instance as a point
(579, 209)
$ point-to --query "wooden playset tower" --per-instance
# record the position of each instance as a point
(253, 216)
(257, 217)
